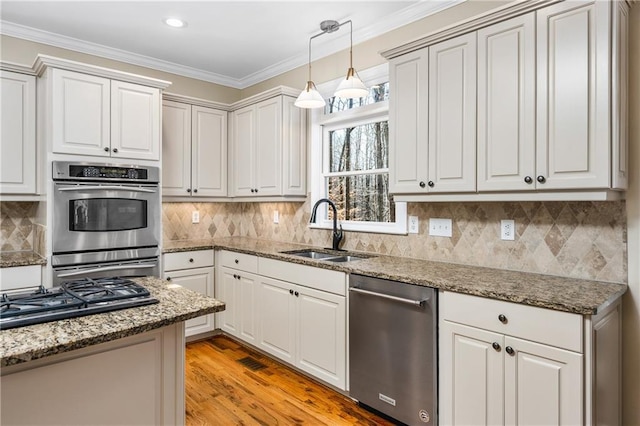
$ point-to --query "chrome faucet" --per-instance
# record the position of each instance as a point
(337, 233)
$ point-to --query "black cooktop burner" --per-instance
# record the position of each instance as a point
(72, 299)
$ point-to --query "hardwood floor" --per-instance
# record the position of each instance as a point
(222, 391)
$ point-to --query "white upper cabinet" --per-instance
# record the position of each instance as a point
(452, 115)
(18, 137)
(99, 112)
(268, 156)
(550, 102)
(194, 150)
(506, 105)
(573, 110)
(408, 123)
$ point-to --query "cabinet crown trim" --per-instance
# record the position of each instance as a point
(175, 97)
(268, 94)
(15, 67)
(465, 26)
(43, 62)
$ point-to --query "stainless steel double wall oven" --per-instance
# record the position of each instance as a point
(106, 221)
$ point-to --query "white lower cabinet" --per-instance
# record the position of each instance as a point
(294, 312)
(193, 270)
(511, 364)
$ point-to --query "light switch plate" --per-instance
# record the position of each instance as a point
(508, 229)
(414, 225)
(276, 216)
(195, 216)
(440, 227)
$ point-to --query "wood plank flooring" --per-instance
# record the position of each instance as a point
(222, 391)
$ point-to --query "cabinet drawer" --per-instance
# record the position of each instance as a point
(188, 260)
(308, 276)
(560, 329)
(20, 277)
(244, 262)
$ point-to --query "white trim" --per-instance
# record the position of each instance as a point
(321, 49)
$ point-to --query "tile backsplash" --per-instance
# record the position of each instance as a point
(17, 225)
(572, 239)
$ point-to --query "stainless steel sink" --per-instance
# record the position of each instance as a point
(328, 256)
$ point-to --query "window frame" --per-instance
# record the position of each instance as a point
(320, 125)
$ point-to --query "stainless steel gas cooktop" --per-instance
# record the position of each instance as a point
(72, 299)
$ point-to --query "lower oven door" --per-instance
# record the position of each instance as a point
(65, 270)
(96, 216)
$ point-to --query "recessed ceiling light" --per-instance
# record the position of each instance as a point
(175, 22)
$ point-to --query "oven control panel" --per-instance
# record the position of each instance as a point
(86, 171)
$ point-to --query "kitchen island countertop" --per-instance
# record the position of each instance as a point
(176, 304)
(585, 297)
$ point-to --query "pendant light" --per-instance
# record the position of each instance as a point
(350, 87)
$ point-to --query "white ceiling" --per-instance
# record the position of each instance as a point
(234, 43)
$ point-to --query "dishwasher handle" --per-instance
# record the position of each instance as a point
(388, 296)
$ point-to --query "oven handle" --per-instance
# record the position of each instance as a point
(99, 188)
(388, 296)
(106, 268)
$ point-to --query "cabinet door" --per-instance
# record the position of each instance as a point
(471, 376)
(321, 335)
(209, 145)
(199, 280)
(543, 385)
(135, 121)
(294, 148)
(18, 137)
(268, 157)
(573, 129)
(408, 119)
(506, 105)
(176, 148)
(244, 134)
(452, 115)
(247, 297)
(277, 319)
(80, 113)
(226, 290)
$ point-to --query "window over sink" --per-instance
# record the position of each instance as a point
(350, 159)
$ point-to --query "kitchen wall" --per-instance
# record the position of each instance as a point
(572, 239)
(18, 228)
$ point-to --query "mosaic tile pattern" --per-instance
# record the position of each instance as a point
(216, 220)
(16, 225)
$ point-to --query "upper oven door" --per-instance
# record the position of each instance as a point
(95, 216)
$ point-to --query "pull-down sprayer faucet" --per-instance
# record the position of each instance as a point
(337, 233)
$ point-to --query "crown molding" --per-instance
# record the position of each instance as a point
(175, 97)
(14, 67)
(322, 49)
(267, 94)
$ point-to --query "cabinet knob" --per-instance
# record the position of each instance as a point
(191, 260)
(115, 149)
(195, 190)
(106, 149)
(510, 350)
(256, 190)
(290, 291)
(168, 278)
(422, 184)
(296, 293)
(237, 261)
(502, 318)
(431, 184)
(496, 346)
(541, 179)
(253, 190)
(189, 190)
(527, 179)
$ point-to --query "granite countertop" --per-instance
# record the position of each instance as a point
(573, 295)
(176, 304)
(20, 258)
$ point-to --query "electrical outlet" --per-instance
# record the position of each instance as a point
(508, 229)
(440, 227)
(276, 216)
(195, 216)
(414, 225)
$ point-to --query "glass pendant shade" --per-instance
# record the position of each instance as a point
(310, 97)
(352, 87)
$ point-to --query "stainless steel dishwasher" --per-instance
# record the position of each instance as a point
(393, 348)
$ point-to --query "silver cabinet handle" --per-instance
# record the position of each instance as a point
(388, 296)
(106, 268)
(99, 188)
